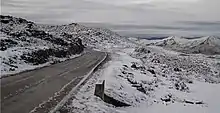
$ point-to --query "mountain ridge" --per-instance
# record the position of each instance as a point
(209, 45)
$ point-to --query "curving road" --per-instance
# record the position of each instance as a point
(23, 92)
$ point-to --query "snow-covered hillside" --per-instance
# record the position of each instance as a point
(153, 80)
(26, 45)
(209, 45)
(97, 38)
(146, 76)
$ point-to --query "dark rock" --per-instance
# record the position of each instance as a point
(37, 57)
(120, 75)
(5, 21)
(142, 50)
(130, 73)
(177, 69)
(11, 64)
(41, 56)
(73, 24)
(39, 34)
(181, 86)
(134, 66)
(167, 98)
(29, 25)
(141, 89)
(141, 68)
(155, 60)
(189, 102)
(137, 67)
(7, 43)
(125, 66)
(190, 81)
(136, 85)
(200, 102)
(124, 72)
(21, 20)
(130, 80)
(11, 69)
(151, 71)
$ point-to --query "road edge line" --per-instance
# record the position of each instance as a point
(68, 96)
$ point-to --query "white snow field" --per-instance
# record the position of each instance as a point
(153, 80)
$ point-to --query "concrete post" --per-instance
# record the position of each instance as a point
(99, 89)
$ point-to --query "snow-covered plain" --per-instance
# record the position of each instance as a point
(151, 80)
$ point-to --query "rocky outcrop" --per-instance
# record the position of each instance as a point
(25, 43)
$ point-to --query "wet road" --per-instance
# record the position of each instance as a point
(23, 92)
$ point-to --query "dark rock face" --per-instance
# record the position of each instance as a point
(37, 57)
(41, 56)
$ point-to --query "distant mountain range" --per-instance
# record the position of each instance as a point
(209, 45)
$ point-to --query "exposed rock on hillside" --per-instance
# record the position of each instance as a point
(170, 62)
(25, 46)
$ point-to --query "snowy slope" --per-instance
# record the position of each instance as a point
(153, 80)
(149, 78)
(97, 38)
(26, 45)
(209, 45)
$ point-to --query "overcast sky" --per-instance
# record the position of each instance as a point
(138, 12)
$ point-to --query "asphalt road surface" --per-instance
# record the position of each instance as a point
(23, 92)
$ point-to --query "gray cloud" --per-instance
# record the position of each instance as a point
(198, 16)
